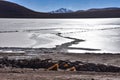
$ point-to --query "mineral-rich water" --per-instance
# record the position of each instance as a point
(103, 33)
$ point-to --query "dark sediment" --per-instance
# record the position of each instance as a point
(45, 64)
(88, 49)
(75, 41)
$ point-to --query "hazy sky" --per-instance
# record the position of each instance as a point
(48, 5)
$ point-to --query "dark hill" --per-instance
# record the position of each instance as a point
(13, 10)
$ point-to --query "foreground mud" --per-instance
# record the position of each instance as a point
(30, 74)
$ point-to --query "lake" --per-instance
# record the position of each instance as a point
(103, 33)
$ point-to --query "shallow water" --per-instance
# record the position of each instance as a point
(103, 34)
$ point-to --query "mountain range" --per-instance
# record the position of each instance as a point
(13, 10)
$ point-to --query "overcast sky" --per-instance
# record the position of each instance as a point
(49, 5)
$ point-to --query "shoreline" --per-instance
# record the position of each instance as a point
(104, 58)
(40, 74)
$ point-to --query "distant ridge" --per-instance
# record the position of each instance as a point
(13, 10)
(103, 9)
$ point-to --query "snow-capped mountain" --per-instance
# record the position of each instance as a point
(62, 10)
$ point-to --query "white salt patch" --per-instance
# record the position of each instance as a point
(18, 39)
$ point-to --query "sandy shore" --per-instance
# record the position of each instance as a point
(107, 59)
